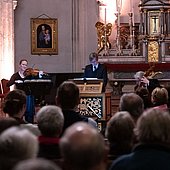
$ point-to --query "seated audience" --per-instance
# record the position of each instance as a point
(153, 151)
(167, 87)
(83, 148)
(133, 104)
(68, 98)
(145, 95)
(50, 121)
(16, 144)
(15, 106)
(36, 164)
(7, 122)
(159, 98)
(119, 132)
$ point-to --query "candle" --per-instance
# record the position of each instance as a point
(133, 14)
(130, 6)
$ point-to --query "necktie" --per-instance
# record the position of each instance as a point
(94, 68)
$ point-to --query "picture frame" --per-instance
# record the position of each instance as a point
(44, 36)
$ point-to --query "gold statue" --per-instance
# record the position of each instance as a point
(103, 33)
(151, 73)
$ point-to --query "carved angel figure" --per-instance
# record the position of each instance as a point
(103, 33)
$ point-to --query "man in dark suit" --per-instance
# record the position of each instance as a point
(96, 70)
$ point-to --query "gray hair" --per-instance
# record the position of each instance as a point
(36, 164)
(132, 103)
(139, 75)
(50, 120)
(16, 144)
(153, 127)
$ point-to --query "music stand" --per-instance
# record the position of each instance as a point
(35, 89)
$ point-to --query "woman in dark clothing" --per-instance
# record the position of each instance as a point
(15, 106)
(18, 76)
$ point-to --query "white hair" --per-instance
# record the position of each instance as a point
(16, 144)
(139, 75)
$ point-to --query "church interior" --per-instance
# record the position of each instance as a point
(54, 40)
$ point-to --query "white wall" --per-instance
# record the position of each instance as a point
(62, 10)
(75, 17)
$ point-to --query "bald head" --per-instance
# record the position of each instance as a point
(80, 145)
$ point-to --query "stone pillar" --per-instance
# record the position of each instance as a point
(168, 22)
(7, 37)
(80, 32)
(145, 22)
(162, 21)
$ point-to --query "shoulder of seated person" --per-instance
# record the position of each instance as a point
(31, 127)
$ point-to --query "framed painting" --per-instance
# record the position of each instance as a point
(44, 36)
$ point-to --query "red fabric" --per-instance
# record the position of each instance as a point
(137, 67)
(48, 140)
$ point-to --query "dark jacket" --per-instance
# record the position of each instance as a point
(144, 157)
(71, 117)
(100, 73)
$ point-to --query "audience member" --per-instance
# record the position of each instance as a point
(145, 95)
(96, 70)
(7, 122)
(133, 104)
(15, 106)
(83, 148)
(68, 99)
(50, 121)
(16, 144)
(159, 98)
(119, 132)
(36, 164)
(153, 152)
(167, 87)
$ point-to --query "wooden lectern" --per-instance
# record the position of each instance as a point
(94, 103)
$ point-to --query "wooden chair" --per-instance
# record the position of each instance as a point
(5, 89)
(1, 95)
(3, 92)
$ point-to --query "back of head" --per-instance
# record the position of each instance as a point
(132, 103)
(159, 96)
(153, 127)
(82, 147)
(16, 144)
(7, 122)
(14, 102)
(93, 56)
(120, 128)
(50, 121)
(145, 95)
(68, 95)
(36, 164)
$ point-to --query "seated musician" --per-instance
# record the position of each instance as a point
(96, 70)
(19, 75)
(17, 79)
(143, 81)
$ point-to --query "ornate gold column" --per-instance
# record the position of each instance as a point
(7, 8)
